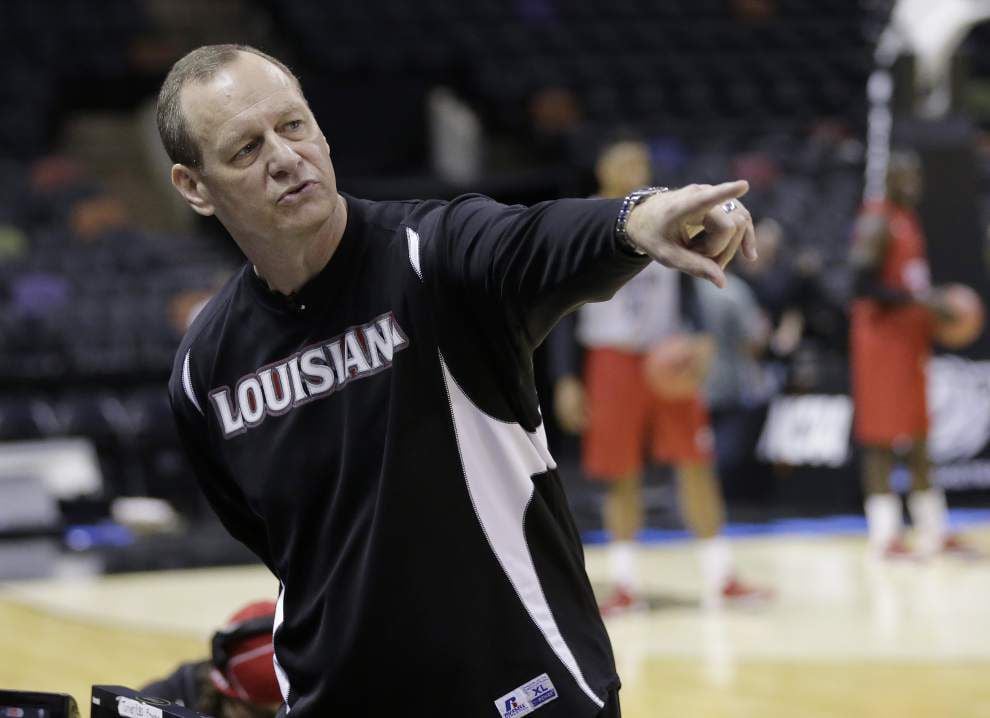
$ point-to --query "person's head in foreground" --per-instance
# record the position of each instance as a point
(621, 167)
(241, 670)
(904, 182)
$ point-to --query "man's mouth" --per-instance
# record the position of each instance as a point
(296, 191)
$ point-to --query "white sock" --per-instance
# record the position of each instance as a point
(622, 557)
(883, 520)
(930, 517)
(715, 557)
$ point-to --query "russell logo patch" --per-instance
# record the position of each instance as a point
(526, 698)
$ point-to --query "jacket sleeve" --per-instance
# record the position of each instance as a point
(538, 263)
(221, 491)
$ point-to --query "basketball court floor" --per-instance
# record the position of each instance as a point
(846, 636)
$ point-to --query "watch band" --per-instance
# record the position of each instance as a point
(637, 196)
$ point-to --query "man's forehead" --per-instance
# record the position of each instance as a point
(247, 83)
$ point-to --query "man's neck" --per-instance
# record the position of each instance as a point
(286, 271)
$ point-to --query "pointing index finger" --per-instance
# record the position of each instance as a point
(708, 197)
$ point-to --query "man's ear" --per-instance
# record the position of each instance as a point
(186, 180)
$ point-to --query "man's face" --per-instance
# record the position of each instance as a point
(905, 183)
(266, 169)
(624, 167)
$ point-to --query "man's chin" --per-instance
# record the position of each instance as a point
(307, 218)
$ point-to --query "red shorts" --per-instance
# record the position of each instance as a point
(626, 418)
(890, 351)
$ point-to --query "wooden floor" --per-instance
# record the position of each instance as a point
(845, 636)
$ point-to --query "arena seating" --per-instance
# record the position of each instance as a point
(88, 302)
(88, 328)
(629, 63)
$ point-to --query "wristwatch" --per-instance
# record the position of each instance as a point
(637, 196)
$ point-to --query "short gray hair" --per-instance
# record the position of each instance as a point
(199, 65)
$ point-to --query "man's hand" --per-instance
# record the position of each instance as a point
(935, 301)
(696, 229)
(570, 405)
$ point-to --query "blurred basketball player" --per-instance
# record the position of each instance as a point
(238, 680)
(893, 319)
(648, 327)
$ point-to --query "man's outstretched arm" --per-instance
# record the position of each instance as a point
(541, 262)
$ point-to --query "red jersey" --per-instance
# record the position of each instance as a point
(891, 344)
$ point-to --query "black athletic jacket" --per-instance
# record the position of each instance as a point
(376, 440)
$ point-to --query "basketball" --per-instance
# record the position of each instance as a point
(676, 367)
(966, 323)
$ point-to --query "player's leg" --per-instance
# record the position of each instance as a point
(929, 512)
(882, 506)
(702, 507)
(623, 519)
(684, 439)
(888, 359)
(703, 511)
(612, 451)
(926, 503)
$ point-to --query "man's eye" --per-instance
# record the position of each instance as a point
(246, 149)
(293, 125)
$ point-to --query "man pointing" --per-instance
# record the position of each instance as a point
(359, 405)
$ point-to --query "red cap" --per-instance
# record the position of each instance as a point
(249, 673)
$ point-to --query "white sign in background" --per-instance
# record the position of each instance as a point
(809, 429)
(959, 408)
(814, 429)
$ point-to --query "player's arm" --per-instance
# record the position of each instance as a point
(563, 363)
(872, 239)
(562, 350)
(755, 325)
(869, 249)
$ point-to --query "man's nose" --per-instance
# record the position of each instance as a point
(282, 158)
